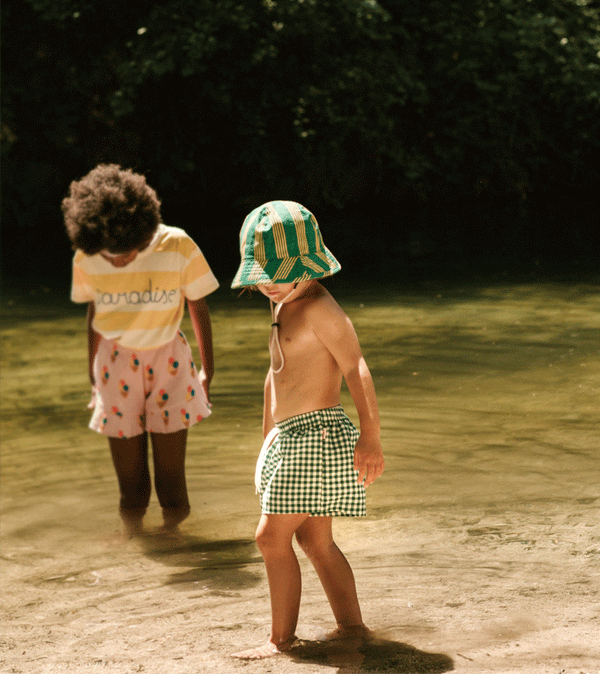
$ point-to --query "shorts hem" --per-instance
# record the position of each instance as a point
(313, 514)
(108, 435)
(180, 427)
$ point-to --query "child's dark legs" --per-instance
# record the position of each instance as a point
(130, 459)
(316, 540)
(168, 450)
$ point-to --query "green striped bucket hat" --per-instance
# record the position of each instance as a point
(280, 242)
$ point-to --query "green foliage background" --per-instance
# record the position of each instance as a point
(393, 111)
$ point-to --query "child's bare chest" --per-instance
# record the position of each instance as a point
(300, 345)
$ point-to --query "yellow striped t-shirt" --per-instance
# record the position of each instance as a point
(141, 305)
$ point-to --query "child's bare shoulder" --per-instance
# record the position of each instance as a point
(323, 312)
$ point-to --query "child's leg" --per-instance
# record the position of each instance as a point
(130, 459)
(168, 450)
(274, 537)
(316, 539)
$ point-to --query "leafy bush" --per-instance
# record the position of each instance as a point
(327, 102)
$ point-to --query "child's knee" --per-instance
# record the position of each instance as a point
(270, 542)
(264, 539)
(307, 544)
(314, 547)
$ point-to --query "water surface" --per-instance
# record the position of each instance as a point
(489, 400)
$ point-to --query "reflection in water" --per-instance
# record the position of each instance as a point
(489, 407)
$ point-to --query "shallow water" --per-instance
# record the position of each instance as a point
(489, 400)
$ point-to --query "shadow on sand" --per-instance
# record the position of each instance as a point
(220, 565)
(373, 654)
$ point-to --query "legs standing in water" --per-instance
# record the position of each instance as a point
(168, 451)
(130, 459)
(274, 537)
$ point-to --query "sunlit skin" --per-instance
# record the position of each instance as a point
(121, 260)
(320, 348)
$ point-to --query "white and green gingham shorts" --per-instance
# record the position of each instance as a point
(309, 467)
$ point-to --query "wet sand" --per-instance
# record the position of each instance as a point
(481, 551)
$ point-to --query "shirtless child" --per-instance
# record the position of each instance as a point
(314, 464)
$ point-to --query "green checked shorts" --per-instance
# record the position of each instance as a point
(309, 467)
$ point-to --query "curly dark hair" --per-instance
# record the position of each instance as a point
(111, 209)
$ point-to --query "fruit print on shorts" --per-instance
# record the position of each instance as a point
(162, 398)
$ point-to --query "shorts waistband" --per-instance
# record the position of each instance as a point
(146, 352)
(318, 418)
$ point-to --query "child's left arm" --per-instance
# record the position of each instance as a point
(200, 318)
(336, 332)
(368, 454)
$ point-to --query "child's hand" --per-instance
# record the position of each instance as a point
(368, 460)
(92, 404)
(205, 385)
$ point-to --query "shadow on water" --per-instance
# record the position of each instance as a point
(371, 655)
(219, 566)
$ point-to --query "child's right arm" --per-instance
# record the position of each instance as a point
(93, 341)
(268, 421)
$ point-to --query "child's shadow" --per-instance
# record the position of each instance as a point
(219, 565)
(371, 654)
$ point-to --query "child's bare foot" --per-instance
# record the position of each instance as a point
(258, 653)
(128, 534)
(132, 519)
(349, 632)
(132, 527)
(170, 535)
(173, 517)
(268, 650)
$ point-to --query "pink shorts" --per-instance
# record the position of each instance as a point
(154, 390)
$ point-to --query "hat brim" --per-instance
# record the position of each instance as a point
(254, 272)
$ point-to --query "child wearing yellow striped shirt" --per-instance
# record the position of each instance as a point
(136, 274)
